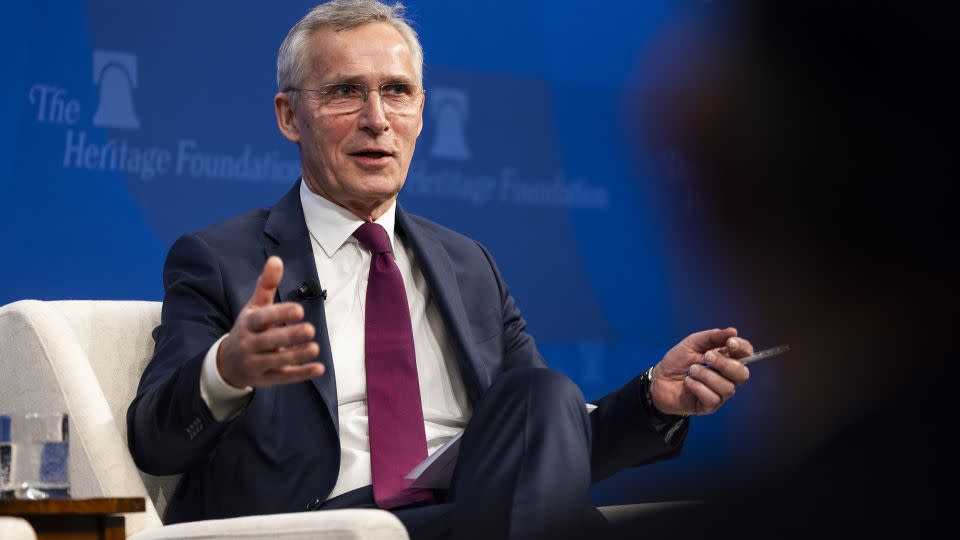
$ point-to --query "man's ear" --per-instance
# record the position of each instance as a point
(422, 103)
(286, 120)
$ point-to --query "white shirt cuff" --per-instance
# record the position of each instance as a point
(223, 399)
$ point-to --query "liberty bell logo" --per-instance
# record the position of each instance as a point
(448, 110)
(116, 74)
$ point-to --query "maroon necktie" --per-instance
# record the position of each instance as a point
(397, 439)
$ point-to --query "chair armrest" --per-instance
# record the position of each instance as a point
(12, 528)
(367, 524)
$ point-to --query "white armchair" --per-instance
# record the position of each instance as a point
(85, 357)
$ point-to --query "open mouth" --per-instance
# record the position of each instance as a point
(372, 154)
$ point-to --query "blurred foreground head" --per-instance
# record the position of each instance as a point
(818, 135)
(818, 146)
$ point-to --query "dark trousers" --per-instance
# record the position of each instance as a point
(523, 471)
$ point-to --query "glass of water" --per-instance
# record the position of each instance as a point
(40, 452)
(6, 459)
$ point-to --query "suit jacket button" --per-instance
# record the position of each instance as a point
(314, 504)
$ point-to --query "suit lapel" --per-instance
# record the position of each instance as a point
(287, 237)
(438, 271)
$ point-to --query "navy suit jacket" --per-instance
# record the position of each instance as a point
(282, 451)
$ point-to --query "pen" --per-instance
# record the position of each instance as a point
(764, 354)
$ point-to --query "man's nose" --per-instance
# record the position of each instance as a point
(372, 115)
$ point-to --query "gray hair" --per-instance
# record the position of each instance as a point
(341, 15)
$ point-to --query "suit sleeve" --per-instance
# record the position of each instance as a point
(623, 433)
(169, 427)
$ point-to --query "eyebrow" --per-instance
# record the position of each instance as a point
(359, 79)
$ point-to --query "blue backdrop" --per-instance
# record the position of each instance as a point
(126, 124)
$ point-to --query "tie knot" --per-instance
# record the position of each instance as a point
(373, 237)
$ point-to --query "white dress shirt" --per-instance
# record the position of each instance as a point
(342, 267)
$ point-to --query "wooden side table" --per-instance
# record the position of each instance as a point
(69, 519)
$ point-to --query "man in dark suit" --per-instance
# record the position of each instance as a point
(273, 393)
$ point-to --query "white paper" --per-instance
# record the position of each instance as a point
(436, 472)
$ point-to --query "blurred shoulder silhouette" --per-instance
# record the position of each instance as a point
(819, 139)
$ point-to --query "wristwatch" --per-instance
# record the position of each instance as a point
(658, 418)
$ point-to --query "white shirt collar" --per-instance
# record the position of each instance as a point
(332, 225)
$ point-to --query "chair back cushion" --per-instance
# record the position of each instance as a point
(118, 339)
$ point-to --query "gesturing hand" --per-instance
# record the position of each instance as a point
(267, 345)
(700, 373)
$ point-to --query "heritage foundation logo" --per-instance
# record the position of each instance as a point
(451, 173)
(115, 75)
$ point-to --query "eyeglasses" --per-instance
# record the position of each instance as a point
(344, 98)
